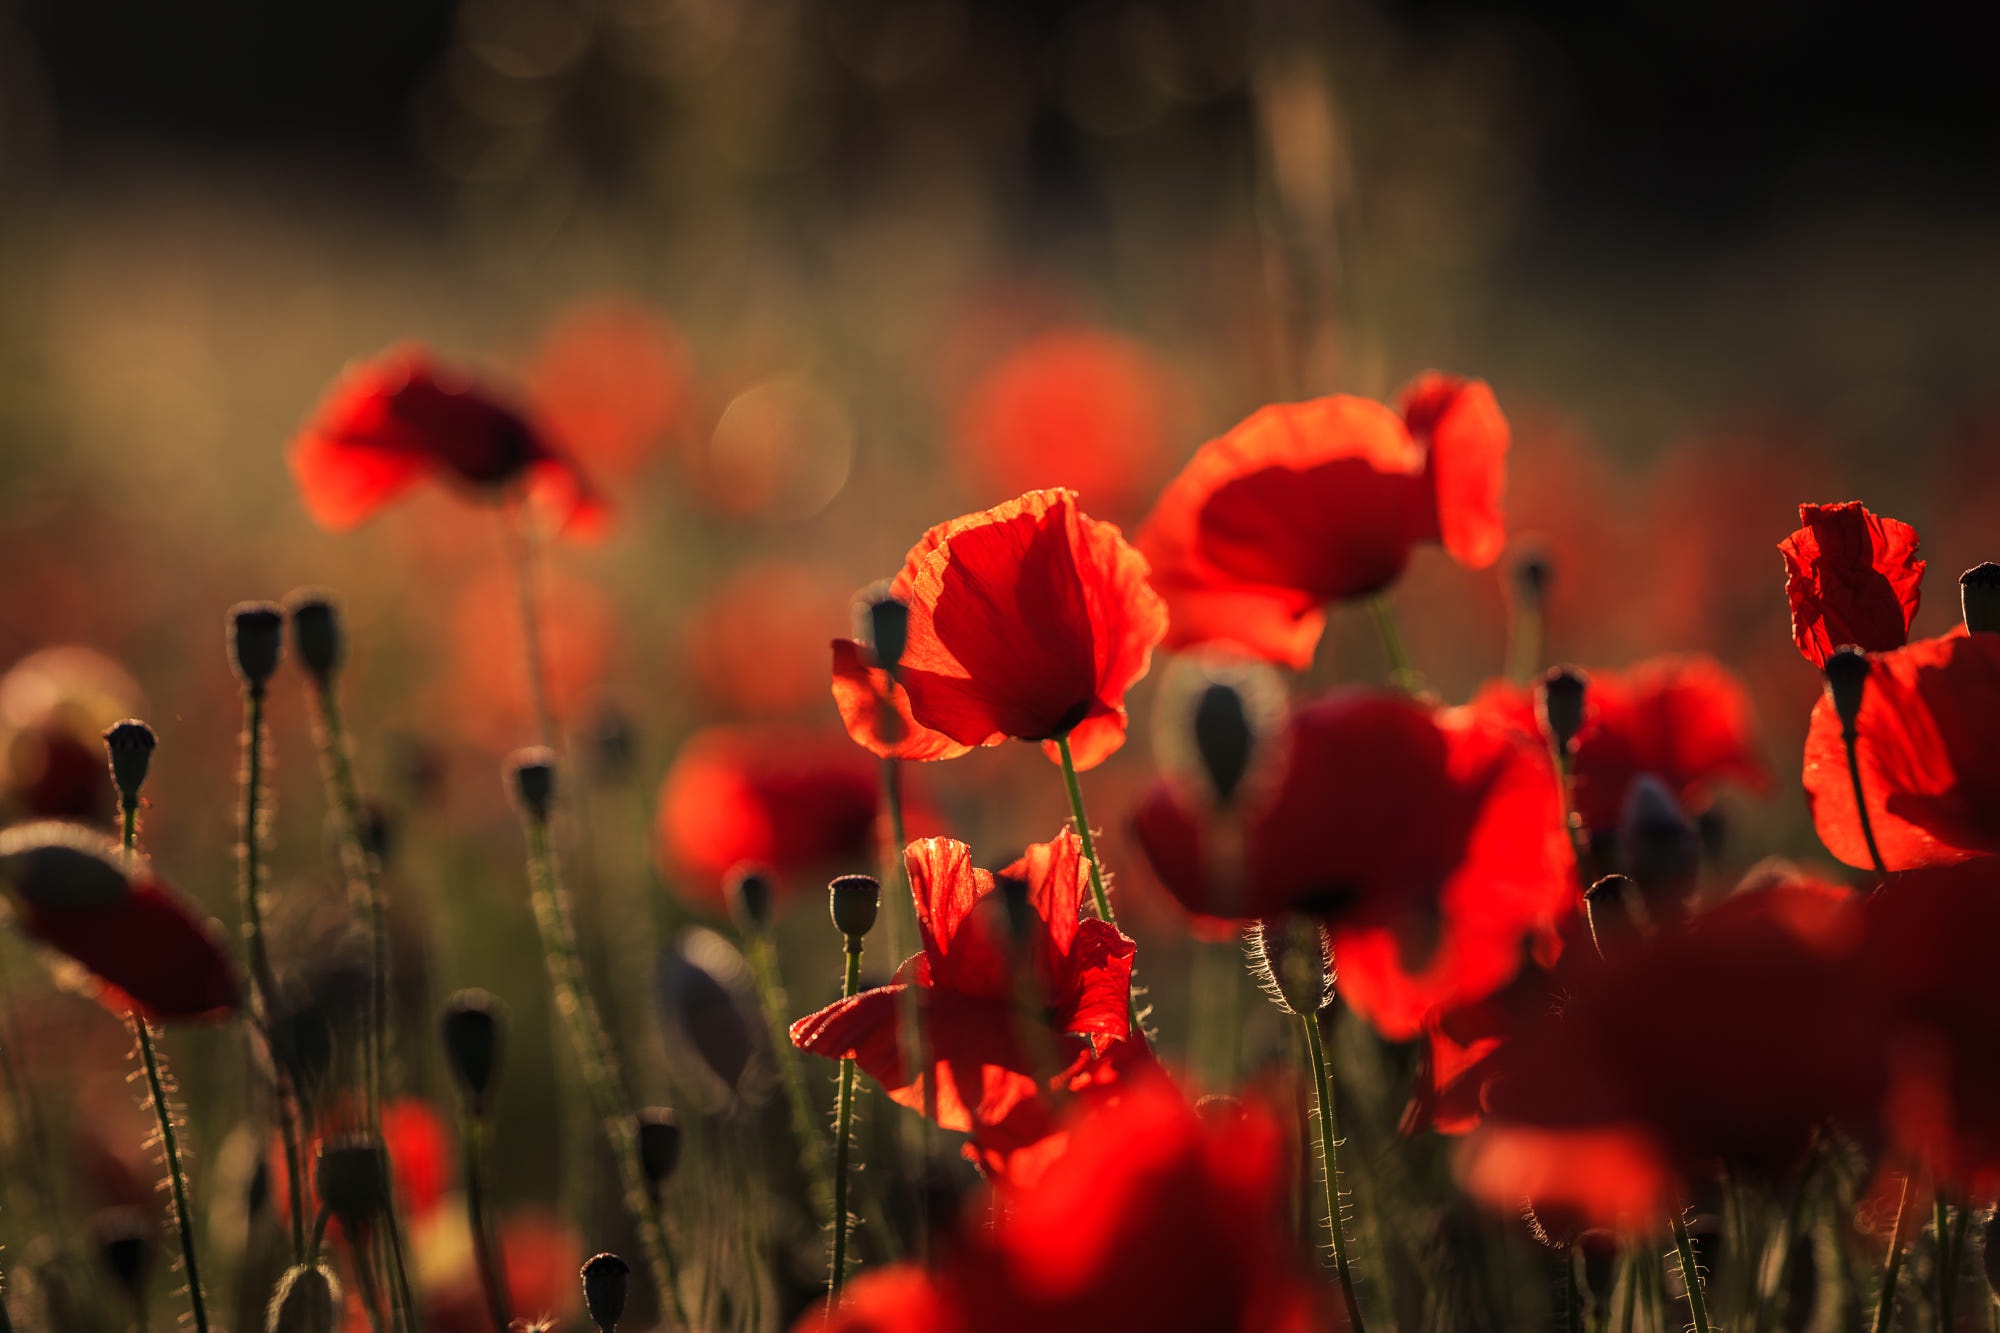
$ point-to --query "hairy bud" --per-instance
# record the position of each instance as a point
(130, 746)
(659, 1145)
(307, 1300)
(750, 891)
(1292, 959)
(256, 641)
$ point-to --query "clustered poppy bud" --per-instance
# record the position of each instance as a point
(351, 1178)
(308, 1300)
(1559, 705)
(123, 1238)
(1616, 911)
(531, 780)
(1847, 676)
(606, 1278)
(1292, 959)
(316, 635)
(1532, 571)
(474, 1028)
(750, 891)
(256, 640)
(659, 1145)
(854, 901)
(130, 744)
(883, 623)
(1979, 598)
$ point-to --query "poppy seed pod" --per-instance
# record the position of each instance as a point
(256, 641)
(308, 1300)
(1218, 714)
(606, 1279)
(1559, 704)
(1616, 911)
(749, 891)
(854, 900)
(1223, 738)
(1291, 958)
(474, 1028)
(659, 1145)
(1658, 845)
(351, 1178)
(882, 621)
(531, 781)
(1846, 678)
(316, 635)
(1531, 572)
(130, 745)
(124, 1238)
(1979, 598)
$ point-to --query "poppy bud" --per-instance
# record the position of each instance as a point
(1559, 705)
(882, 622)
(1532, 571)
(854, 901)
(709, 1006)
(1658, 845)
(1979, 598)
(352, 1180)
(605, 1280)
(749, 892)
(1222, 738)
(531, 780)
(1846, 677)
(1292, 959)
(307, 1300)
(659, 1145)
(474, 1026)
(316, 635)
(1217, 715)
(124, 1239)
(62, 865)
(302, 1046)
(256, 640)
(130, 744)
(1221, 1109)
(1617, 913)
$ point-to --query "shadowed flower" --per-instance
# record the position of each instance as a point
(388, 423)
(1430, 844)
(1850, 577)
(1030, 620)
(1929, 750)
(1012, 1003)
(1309, 503)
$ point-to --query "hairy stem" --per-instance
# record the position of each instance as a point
(1690, 1276)
(805, 1125)
(1099, 898)
(1329, 1149)
(170, 1147)
(843, 1139)
(251, 815)
(1892, 1264)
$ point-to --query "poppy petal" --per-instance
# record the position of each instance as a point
(1851, 578)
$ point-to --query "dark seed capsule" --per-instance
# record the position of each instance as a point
(531, 781)
(256, 641)
(750, 891)
(474, 1028)
(854, 902)
(351, 1179)
(130, 745)
(605, 1280)
(1559, 703)
(316, 635)
(1979, 598)
(125, 1240)
(659, 1144)
(307, 1300)
(1847, 678)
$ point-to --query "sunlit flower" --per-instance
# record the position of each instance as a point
(1851, 578)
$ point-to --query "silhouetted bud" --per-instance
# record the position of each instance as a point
(750, 891)
(125, 1238)
(1223, 739)
(1846, 678)
(1531, 571)
(351, 1178)
(709, 1006)
(605, 1279)
(1291, 958)
(882, 622)
(531, 781)
(1617, 913)
(474, 1028)
(302, 1045)
(1216, 718)
(307, 1300)
(53, 864)
(316, 635)
(659, 1145)
(854, 900)
(256, 640)
(1658, 845)
(1979, 598)
(130, 745)
(1559, 703)
(1221, 1109)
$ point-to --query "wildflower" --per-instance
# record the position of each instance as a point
(1851, 577)
(612, 379)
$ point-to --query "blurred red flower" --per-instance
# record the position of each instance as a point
(792, 800)
(1851, 577)
(388, 423)
(611, 380)
(1430, 843)
(1308, 503)
(1929, 750)
(1727, 1040)
(1685, 720)
(1002, 1020)
(483, 693)
(1076, 406)
(54, 706)
(1158, 1219)
(1029, 620)
(540, 1257)
(755, 642)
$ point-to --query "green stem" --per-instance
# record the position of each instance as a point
(492, 1280)
(805, 1125)
(1852, 740)
(1329, 1149)
(170, 1146)
(399, 1269)
(920, 1132)
(249, 853)
(843, 1139)
(598, 1063)
(1892, 1264)
(1099, 898)
(1401, 673)
(1690, 1276)
(364, 1277)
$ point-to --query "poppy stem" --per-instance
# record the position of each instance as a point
(596, 1059)
(1401, 673)
(1892, 1264)
(843, 1138)
(1690, 1276)
(1851, 737)
(902, 924)
(1099, 898)
(170, 1148)
(252, 814)
(757, 951)
(492, 1278)
(1329, 1150)
(520, 539)
(371, 1291)
(295, 1175)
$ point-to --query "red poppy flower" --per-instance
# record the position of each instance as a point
(389, 423)
(1308, 503)
(1851, 577)
(612, 378)
(874, 707)
(1429, 842)
(1158, 1219)
(145, 950)
(540, 1257)
(1685, 720)
(1929, 749)
(998, 1034)
(1029, 620)
(791, 800)
(1603, 1109)
(755, 642)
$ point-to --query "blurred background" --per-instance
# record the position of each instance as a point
(794, 280)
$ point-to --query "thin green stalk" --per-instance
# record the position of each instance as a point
(1690, 1276)
(249, 853)
(170, 1147)
(399, 1269)
(1852, 739)
(598, 1063)
(492, 1281)
(1329, 1149)
(843, 1139)
(1401, 673)
(805, 1125)
(1099, 898)
(1892, 1265)
(1569, 1289)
